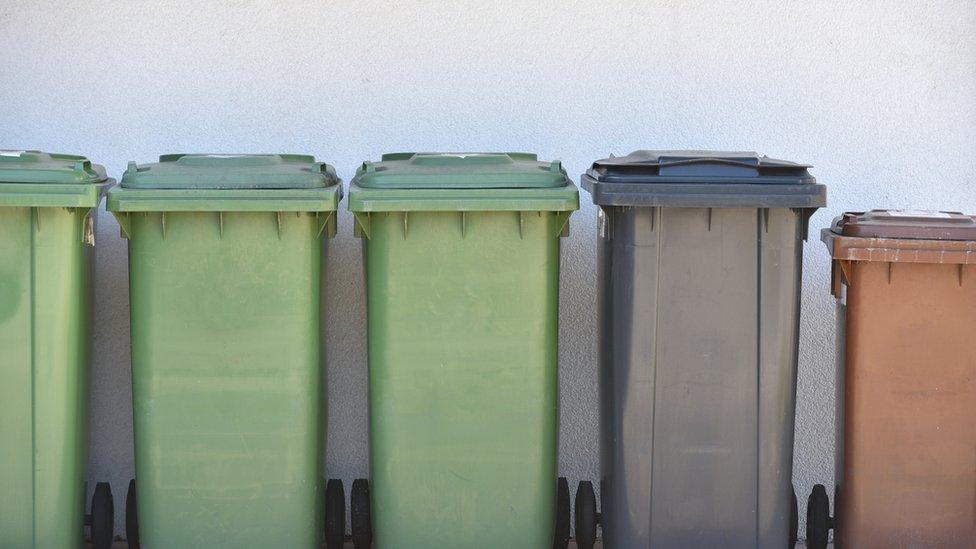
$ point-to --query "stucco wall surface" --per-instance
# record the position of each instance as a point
(880, 96)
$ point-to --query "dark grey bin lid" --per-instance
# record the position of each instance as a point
(702, 179)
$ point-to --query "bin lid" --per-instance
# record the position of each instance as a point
(230, 171)
(915, 224)
(53, 168)
(462, 181)
(228, 183)
(460, 171)
(39, 179)
(903, 236)
(702, 179)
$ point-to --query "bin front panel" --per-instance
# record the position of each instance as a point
(909, 441)
(44, 329)
(698, 356)
(462, 313)
(226, 378)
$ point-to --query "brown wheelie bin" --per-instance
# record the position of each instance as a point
(905, 284)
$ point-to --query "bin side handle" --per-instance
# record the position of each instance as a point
(327, 224)
(804, 214)
(125, 224)
(361, 226)
(562, 224)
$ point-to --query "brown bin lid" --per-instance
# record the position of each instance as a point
(916, 224)
(908, 236)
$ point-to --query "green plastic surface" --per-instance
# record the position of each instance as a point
(226, 368)
(280, 183)
(468, 182)
(45, 324)
(46, 237)
(462, 317)
(39, 179)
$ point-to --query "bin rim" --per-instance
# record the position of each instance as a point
(325, 199)
(562, 199)
(34, 178)
(927, 248)
(448, 181)
(51, 195)
(228, 183)
(702, 179)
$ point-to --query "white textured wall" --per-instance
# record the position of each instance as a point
(880, 96)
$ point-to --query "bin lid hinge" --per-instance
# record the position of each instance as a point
(463, 223)
(521, 222)
(162, 223)
(361, 226)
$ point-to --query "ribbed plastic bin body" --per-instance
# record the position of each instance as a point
(46, 239)
(906, 438)
(700, 261)
(225, 285)
(462, 269)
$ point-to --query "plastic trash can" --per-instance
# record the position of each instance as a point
(46, 256)
(905, 283)
(462, 277)
(225, 263)
(700, 256)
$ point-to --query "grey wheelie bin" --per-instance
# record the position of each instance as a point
(700, 256)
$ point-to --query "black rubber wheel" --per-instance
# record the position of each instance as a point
(818, 518)
(585, 515)
(561, 538)
(335, 514)
(131, 517)
(102, 517)
(794, 519)
(362, 522)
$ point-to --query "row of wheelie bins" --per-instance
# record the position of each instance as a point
(699, 258)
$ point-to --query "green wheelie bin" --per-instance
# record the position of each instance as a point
(225, 282)
(47, 204)
(462, 281)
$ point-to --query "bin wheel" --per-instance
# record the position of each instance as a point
(102, 523)
(131, 517)
(362, 522)
(335, 514)
(794, 518)
(818, 518)
(585, 515)
(561, 537)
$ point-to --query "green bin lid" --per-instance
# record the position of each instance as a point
(229, 171)
(228, 182)
(462, 181)
(31, 178)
